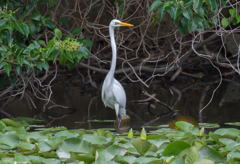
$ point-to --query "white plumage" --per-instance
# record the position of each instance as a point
(113, 94)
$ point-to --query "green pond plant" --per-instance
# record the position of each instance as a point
(23, 142)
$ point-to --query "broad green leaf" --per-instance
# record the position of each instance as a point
(18, 69)
(83, 157)
(187, 13)
(45, 65)
(11, 140)
(74, 145)
(41, 42)
(161, 12)
(8, 68)
(58, 33)
(94, 139)
(192, 26)
(143, 146)
(175, 148)
(31, 27)
(207, 152)
(148, 160)
(184, 126)
(88, 42)
(187, 2)
(44, 146)
(197, 4)
(2, 125)
(76, 31)
(225, 131)
(22, 27)
(205, 161)
(54, 55)
(50, 23)
(26, 146)
(10, 122)
(155, 5)
(62, 58)
(84, 51)
(27, 62)
(63, 20)
(39, 65)
(225, 22)
(3, 21)
(224, 3)
(70, 65)
(190, 154)
(232, 12)
(183, 25)
(176, 12)
(36, 15)
(68, 55)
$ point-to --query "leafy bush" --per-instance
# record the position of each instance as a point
(29, 39)
(191, 15)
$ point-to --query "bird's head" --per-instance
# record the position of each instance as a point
(117, 23)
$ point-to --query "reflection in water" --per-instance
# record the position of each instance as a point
(85, 104)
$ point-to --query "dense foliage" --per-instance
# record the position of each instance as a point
(29, 39)
(188, 145)
(193, 15)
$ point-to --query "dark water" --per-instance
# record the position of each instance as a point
(85, 103)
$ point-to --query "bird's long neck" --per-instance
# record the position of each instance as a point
(110, 74)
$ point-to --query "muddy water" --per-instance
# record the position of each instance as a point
(85, 104)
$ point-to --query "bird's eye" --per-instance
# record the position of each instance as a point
(116, 23)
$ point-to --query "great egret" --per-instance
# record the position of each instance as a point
(113, 94)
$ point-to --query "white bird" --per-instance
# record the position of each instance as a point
(113, 94)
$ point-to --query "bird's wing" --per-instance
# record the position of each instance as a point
(119, 93)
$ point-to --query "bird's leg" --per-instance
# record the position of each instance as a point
(119, 122)
(116, 106)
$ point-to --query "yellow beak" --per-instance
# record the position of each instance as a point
(125, 24)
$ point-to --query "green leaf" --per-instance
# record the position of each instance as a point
(155, 5)
(10, 122)
(192, 26)
(83, 157)
(224, 3)
(39, 65)
(63, 20)
(232, 12)
(70, 65)
(45, 65)
(36, 15)
(175, 148)
(3, 21)
(27, 62)
(88, 42)
(62, 58)
(197, 4)
(176, 12)
(187, 13)
(8, 68)
(11, 140)
(184, 126)
(183, 28)
(84, 51)
(41, 42)
(161, 12)
(50, 23)
(74, 145)
(238, 18)
(22, 27)
(18, 69)
(69, 55)
(76, 31)
(225, 22)
(143, 146)
(190, 154)
(207, 152)
(58, 33)
(187, 3)
(54, 55)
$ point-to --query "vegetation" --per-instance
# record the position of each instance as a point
(188, 145)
